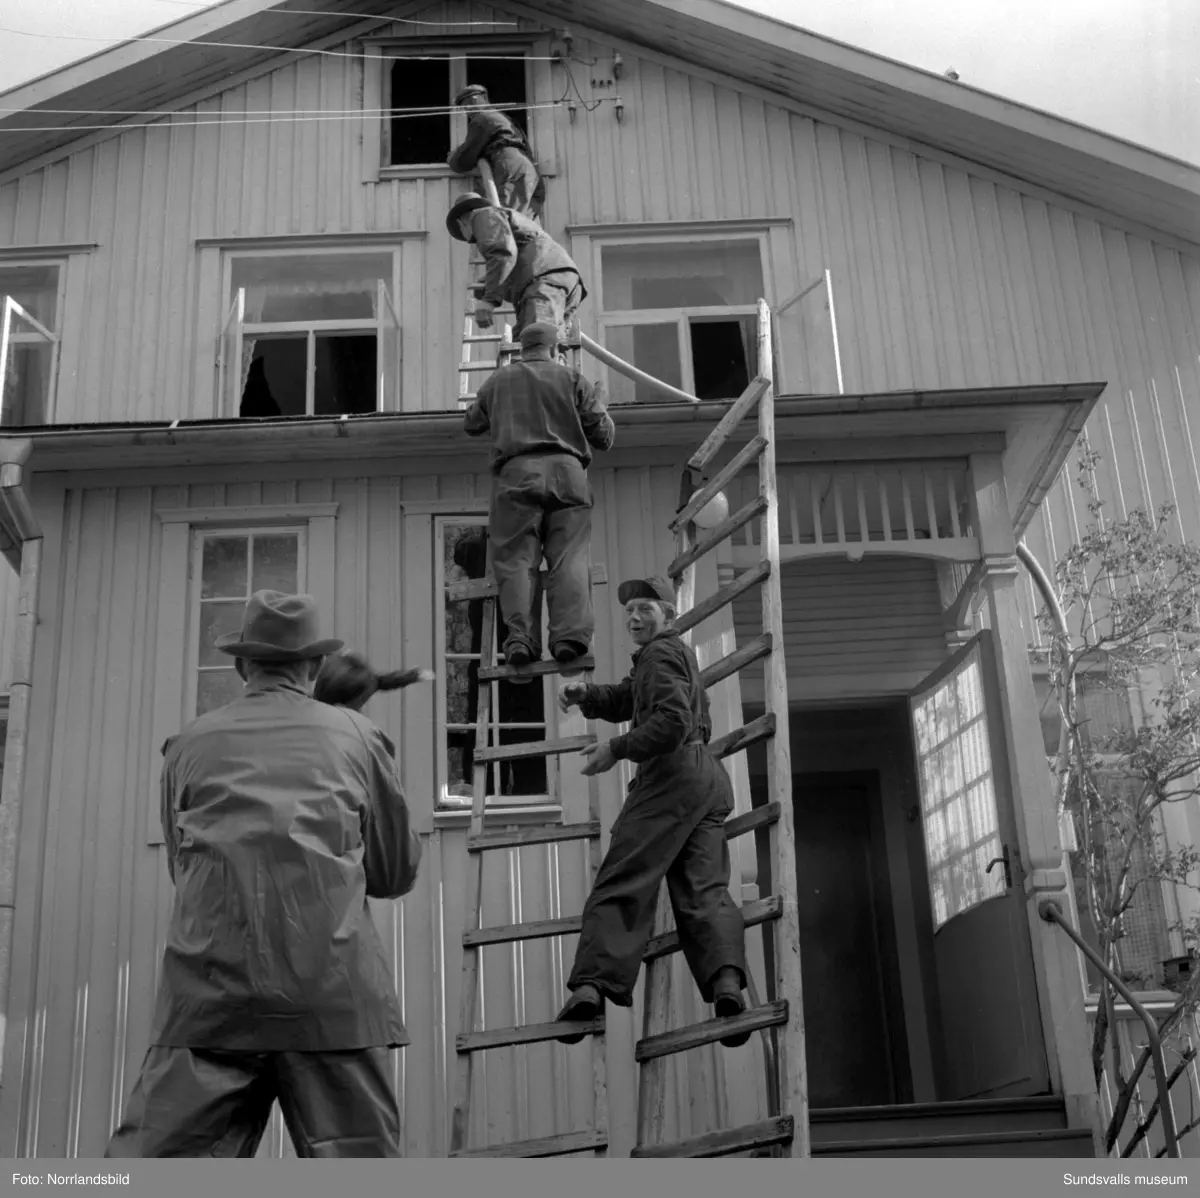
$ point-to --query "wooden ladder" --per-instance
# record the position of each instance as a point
(781, 1022)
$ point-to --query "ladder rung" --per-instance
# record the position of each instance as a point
(762, 728)
(479, 338)
(470, 367)
(537, 669)
(495, 312)
(533, 1033)
(722, 532)
(698, 1034)
(723, 597)
(736, 465)
(711, 445)
(739, 659)
(486, 841)
(533, 748)
(760, 817)
(760, 911)
(781, 1130)
(571, 1141)
(510, 933)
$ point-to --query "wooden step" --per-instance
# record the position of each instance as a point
(740, 460)
(757, 730)
(681, 1039)
(480, 338)
(1065, 1143)
(725, 596)
(538, 669)
(722, 532)
(563, 1145)
(932, 1119)
(760, 817)
(760, 911)
(739, 659)
(533, 748)
(727, 1141)
(509, 933)
(711, 445)
(475, 367)
(486, 841)
(533, 1033)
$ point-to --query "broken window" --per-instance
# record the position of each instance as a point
(518, 713)
(231, 566)
(684, 312)
(426, 138)
(29, 315)
(311, 335)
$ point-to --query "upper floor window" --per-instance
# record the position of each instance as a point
(518, 713)
(426, 139)
(229, 566)
(30, 296)
(683, 311)
(310, 333)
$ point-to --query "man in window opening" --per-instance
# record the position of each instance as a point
(525, 265)
(545, 420)
(281, 816)
(671, 825)
(494, 138)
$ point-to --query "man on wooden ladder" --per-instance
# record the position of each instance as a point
(671, 826)
(525, 265)
(545, 420)
(493, 137)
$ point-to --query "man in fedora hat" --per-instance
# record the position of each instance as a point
(525, 265)
(493, 137)
(545, 419)
(281, 816)
(671, 825)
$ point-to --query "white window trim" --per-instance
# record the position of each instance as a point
(54, 335)
(681, 317)
(309, 328)
(543, 805)
(170, 699)
(377, 99)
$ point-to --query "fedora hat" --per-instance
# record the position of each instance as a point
(464, 204)
(278, 627)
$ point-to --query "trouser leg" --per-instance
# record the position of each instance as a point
(196, 1102)
(340, 1104)
(514, 526)
(516, 180)
(550, 302)
(567, 532)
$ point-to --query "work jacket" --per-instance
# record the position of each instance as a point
(487, 132)
(518, 252)
(281, 816)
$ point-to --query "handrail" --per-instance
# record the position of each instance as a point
(1051, 912)
(632, 372)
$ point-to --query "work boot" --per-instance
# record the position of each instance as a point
(728, 1001)
(584, 1005)
(518, 656)
(566, 652)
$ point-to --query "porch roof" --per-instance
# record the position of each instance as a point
(1034, 426)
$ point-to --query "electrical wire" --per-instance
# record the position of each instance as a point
(180, 41)
(358, 16)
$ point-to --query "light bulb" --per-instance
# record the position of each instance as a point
(714, 512)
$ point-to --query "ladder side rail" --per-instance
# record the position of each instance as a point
(790, 1057)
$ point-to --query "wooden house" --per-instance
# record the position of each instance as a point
(232, 359)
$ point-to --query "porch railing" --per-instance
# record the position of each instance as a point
(1051, 912)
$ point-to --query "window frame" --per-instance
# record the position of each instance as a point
(606, 318)
(172, 685)
(233, 309)
(548, 803)
(54, 335)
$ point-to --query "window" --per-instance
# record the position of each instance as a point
(519, 713)
(958, 794)
(229, 567)
(1103, 711)
(685, 312)
(31, 303)
(311, 334)
(426, 139)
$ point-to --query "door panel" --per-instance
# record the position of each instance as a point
(983, 957)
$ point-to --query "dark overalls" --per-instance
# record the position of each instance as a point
(671, 826)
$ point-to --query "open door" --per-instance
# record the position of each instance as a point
(983, 958)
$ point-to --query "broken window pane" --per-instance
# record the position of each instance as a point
(706, 274)
(275, 564)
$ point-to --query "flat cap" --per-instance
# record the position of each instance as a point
(655, 587)
(541, 332)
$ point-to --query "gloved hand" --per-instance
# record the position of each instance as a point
(483, 313)
(346, 680)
